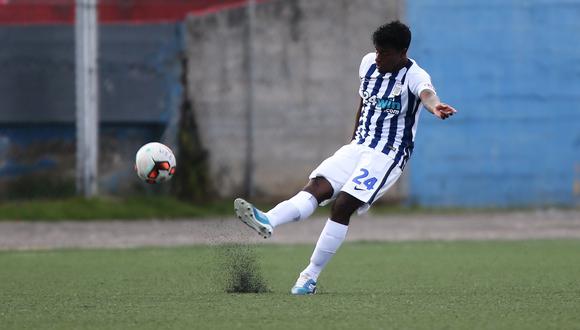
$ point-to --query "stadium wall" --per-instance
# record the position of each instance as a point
(306, 60)
(140, 94)
(512, 69)
(141, 51)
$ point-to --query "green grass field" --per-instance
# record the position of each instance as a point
(143, 207)
(417, 285)
(110, 209)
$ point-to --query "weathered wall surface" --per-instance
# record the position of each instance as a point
(306, 59)
(512, 68)
(140, 93)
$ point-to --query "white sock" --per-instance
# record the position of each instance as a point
(328, 243)
(296, 208)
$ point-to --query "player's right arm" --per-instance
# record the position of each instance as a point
(357, 118)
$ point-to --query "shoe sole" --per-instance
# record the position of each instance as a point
(245, 213)
(303, 294)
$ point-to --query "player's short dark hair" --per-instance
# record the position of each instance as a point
(392, 35)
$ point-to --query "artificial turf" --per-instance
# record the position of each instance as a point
(410, 285)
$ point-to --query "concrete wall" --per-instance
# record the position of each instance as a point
(307, 55)
(512, 68)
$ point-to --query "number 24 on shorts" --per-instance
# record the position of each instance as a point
(368, 183)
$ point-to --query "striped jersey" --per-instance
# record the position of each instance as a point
(390, 107)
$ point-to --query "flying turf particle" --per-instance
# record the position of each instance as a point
(242, 273)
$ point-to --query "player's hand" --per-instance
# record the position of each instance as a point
(443, 111)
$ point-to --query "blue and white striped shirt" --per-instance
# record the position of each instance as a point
(391, 107)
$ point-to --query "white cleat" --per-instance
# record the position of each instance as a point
(253, 217)
(305, 285)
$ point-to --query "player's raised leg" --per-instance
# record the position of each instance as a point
(303, 204)
(253, 217)
(330, 239)
(299, 207)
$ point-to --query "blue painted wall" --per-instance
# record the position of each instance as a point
(140, 91)
(139, 73)
(512, 69)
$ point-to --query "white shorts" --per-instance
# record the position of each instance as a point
(360, 171)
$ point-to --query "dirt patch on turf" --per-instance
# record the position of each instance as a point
(240, 269)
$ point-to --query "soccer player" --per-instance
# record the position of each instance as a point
(392, 90)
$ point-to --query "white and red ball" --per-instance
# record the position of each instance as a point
(155, 163)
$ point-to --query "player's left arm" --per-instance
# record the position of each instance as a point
(433, 104)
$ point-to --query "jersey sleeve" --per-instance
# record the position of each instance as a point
(365, 64)
(419, 80)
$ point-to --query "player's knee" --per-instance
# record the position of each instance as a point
(341, 211)
(344, 207)
(320, 188)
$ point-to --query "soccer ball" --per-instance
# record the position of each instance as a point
(155, 163)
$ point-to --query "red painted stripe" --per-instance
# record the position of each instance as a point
(26, 12)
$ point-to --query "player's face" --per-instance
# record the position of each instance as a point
(389, 59)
